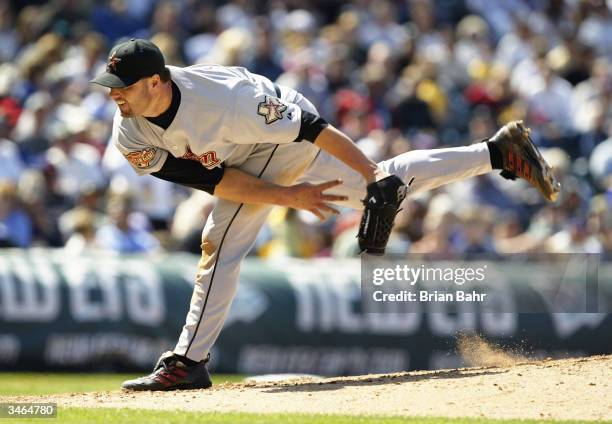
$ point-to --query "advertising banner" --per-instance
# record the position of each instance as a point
(118, 313)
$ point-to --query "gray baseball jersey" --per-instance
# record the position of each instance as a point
(221, 109)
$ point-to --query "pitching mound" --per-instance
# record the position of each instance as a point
(558, 389)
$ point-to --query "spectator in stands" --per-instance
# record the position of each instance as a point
(83, 236)
(15, 225)
(33, 129)
(127, 231)
(11, 165)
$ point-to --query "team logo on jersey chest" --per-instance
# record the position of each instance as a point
(142, 158)
(208, 159)
(272, 109)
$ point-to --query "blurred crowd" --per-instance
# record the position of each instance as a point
(395, 75)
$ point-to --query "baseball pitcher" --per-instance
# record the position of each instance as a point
(255, 144)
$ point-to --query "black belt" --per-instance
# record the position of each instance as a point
(277, 90)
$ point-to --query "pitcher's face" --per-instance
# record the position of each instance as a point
(132, 100)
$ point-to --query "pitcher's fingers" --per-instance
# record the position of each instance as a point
(328, 184)
(318, 214)
(333, 197)
(329, 209)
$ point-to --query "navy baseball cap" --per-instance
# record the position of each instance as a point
(129, 62)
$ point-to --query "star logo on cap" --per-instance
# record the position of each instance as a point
(272, 109)
(112, 63)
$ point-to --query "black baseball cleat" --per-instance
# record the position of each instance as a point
(171, 373)
(522, 159)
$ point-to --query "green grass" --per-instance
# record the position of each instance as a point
(125, 416)
(22, 383)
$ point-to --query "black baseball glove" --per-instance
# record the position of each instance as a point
(381, 205)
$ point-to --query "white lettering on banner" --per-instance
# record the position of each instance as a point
(393, 317)
(443, 360)
(499, 323)
(447, 319)
(30, 289)
(248, 305)
(78, 349)
(145, 297)
(328, 307)
(566, 324)
(317, 304)
(258, 359)
(94, 295)
(9, 349)
(495, 323)
(25, 296)
(346, 295)
(304, 302)
(328, 301)
(448, 323)
(394, 323)
(108, 278)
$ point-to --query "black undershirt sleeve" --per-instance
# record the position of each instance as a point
(190, 173)
(311, 127)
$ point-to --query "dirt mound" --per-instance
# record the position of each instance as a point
(555, 389)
